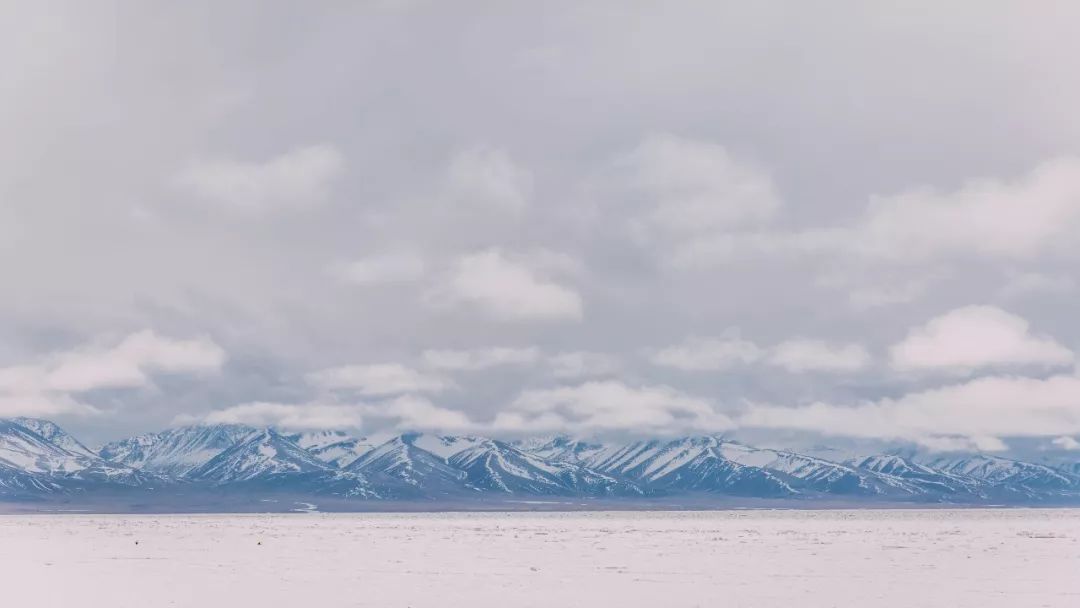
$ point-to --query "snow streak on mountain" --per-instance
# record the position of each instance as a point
(240, 465)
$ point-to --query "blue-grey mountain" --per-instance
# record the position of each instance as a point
(235, 466)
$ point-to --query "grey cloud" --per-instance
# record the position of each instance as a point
(601, 178)
(295, 178)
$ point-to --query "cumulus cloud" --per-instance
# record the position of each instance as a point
(1065, 443)
(509, 291)
(43, 404)
(1015, 219)
(976, 337)
(406, 413)
(609, 406)
(129, 364)
(685, 187)
(708, 354)
(977, 412)
(313, 416)
(488, 177)
(298, 178)
(985, 218)
(962, 444)
(480, 358)
(797, 356)
(819, 356)
(563, 208)
(377, 380)
(418, 414)
(50, 386)
(400, 267)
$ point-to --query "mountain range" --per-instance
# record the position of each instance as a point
(222, 466)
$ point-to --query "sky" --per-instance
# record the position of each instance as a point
(839, 220)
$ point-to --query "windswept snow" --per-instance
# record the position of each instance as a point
(762, 559)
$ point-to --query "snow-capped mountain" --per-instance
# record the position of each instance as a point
(174, 452)
(449, 465)
(401, 460)
(559, 448)
(500, 467)
(1071, 467)
(807, 473)
(15, 484)
(54, 460)
(238, 463)
(693, 464)
(920, 478)
(267, 461)
(24, 449)
(55, 435)
(260, 455)
(336, 447)
(1024, 477)
(712, 464)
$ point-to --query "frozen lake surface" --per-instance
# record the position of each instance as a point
(946, 558)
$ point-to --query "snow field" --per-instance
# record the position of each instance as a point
(933, 558)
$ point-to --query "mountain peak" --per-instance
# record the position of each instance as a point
(37, 458)
(56, 435)
(262, 454)
(176, 451)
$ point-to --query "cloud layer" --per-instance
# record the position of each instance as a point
(391, 215)
(976, 337)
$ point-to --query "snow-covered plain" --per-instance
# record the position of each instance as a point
(948, 558)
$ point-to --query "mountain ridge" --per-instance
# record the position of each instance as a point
(39, 461)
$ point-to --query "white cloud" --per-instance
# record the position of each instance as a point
(583, 364)
(689, 187)
(480, 358)
(716, 354)
(962, 444)
(976, 412)
(46, 387)
(43, 404)
(1066, 443)
(85, 249)
(159, 353)
(609, 406)
(509, 291)
(488, 177)
(23, 379)
(976, 337)
(377, 380)
(286, 416)
(298, 178)
(404, 413)
(418, 414)
(816, 355)
(129, 363)
(1020, 219)
(708, 354)
(381, 268)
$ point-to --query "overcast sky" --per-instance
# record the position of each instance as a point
(836, 218)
